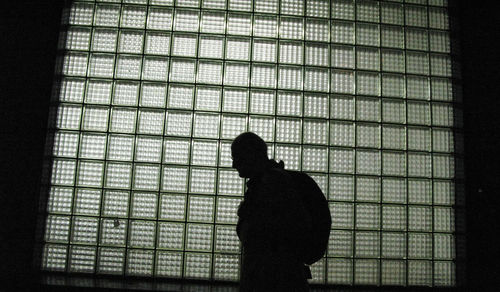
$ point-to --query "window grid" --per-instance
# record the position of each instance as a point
(358, 274)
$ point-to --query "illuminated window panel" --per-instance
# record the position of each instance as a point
(360, 94)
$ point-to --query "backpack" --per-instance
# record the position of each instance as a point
(315, 243)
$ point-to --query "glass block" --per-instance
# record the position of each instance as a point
(170, 235)
(226, 267)
(417, 87)
(341, 133)
(183, 70)
(113, 232)
(197, 265)
(238, 49)
(101, 65)
(393, 272)
(419, 191)
(128, 67)
(126, 93)
(130, 41)
(394, 163)
(419, 138)
(180, 96)
(54, 257)
(84, 230)
(202, 181)
(233, 125)
(169, 264)
(288, 130)
(442, 114)
(290, 78)
(367, 34)
(81, 259)
(342, 32)
(120, 147)
(63, 172)
(367, 10)
(144, 205)
(141, 233)
(444, 219)
(342, 56)
(74, 64)
(87, 202)
(315, 132)
(341, 160)
(95, 118)
(140, 262)
(265, 26)
(115, 203)
(60, 200)
(239, 24)
(133, 16)
(394, 218)
(342, 107)
(98, 91)
(150, 122)
(441, 89)
(438, 18)
(211, 47)
(200, 209)
(318, 271)
(416, 15)
(439, 41)
(444, 273)
(226, 209)
(367, 189)
(444, 192)
(420, 273)
(157, 43)
(417, 39)
(155, 68)
(173, 207)
(340, 243)
(146, 177)
(153, 95)
(367, 217)
(213, 22)
(214, 4)
(209, 72)
(443, 166)
(393, 111)
(148, 149)
(178, 123)
(317, 30)
(244, 5)
(90, 173)
(70, 90)
(263, 76)
(264, 50)
(104, 40)
(367, 59)
(394, 244)
(291, 52)
(417, 63)
(394, 190)
(159, 18)
(418, 113)
(393, 61)
(236, 74)
(443, 140)
(229, 183)
(106, 15)
(57, 228)
(184, 45)
(368, 162)
(394, 137)
(189, 3)
(343, 81)
(291, 28)
(368, 135)
(204, 152)
(295, 7)
(444, 246)
(206, 125)
(419, 164)
(316, 79)
(262, 102)
(199, 237)
(366, 272)
(368, 83)
(392, 36)
(186, 20)
(318, 8)
(342, 215)
(110, 260)
(391, 13)
(420, 218)
(208, 98)
(289, 153)
(340, 271)
(368, 109)
(315, 159)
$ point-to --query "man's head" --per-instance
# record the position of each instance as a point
(249, 153)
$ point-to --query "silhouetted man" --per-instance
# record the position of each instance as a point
(271, 221)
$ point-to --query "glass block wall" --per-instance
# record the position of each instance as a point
(359, 94)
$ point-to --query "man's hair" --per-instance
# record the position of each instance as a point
(249, 141)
